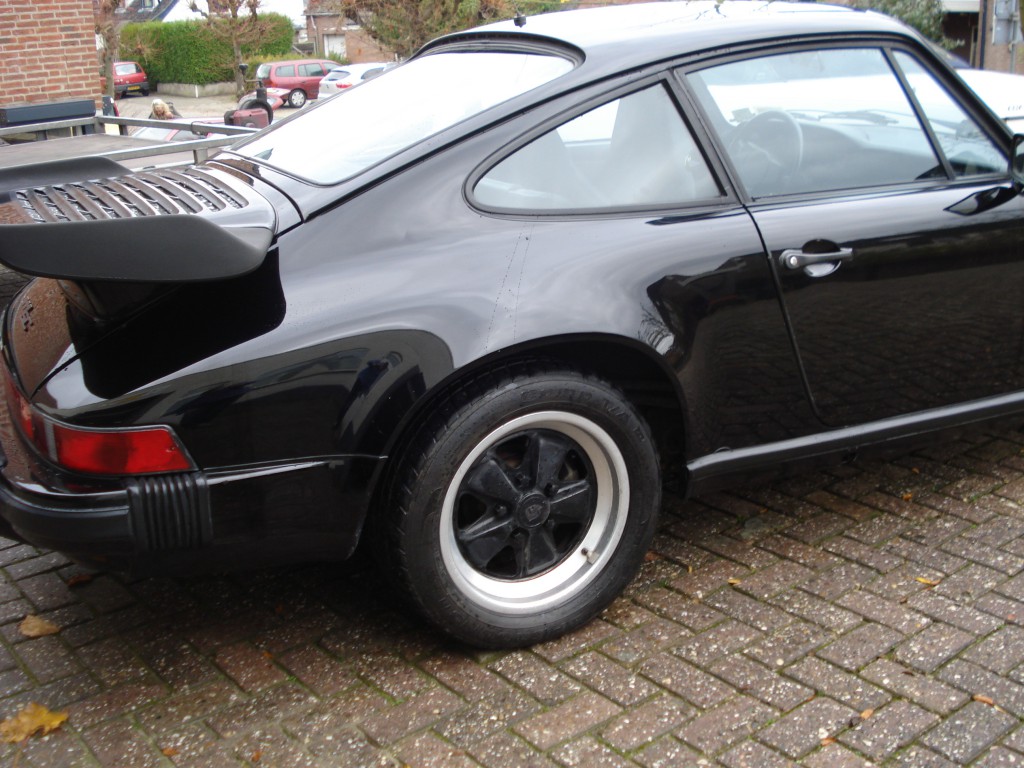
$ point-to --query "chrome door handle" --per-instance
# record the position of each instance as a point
(796, 259)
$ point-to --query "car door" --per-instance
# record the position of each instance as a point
(890, 225)
(311, 74)
(631, 233)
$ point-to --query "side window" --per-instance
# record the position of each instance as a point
(286, 71)
(966, 146)
(634, 151)
(812, 121)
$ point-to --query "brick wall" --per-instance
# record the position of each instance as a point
(48, 50)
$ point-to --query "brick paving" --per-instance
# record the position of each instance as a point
(870, 614)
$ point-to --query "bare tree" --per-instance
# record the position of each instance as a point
(238, 23)
(404, 25)
(107, 29)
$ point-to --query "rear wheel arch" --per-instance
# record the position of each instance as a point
(644, 379)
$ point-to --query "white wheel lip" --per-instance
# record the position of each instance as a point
(578, 571)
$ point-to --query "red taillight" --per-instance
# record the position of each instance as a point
(118, 452)
(142, 451)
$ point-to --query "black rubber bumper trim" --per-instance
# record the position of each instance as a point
(170, 512)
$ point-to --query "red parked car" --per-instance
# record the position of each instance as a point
(129, 77)
(301, 78)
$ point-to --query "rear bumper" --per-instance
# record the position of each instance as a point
(98, 533)
(185, 522)
(91, 523)
(142, 87)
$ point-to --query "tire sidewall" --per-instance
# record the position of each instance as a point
(473, 422)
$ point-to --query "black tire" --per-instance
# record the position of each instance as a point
(296, 98)
(523, 507)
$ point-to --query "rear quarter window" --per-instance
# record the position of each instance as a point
(341, 138)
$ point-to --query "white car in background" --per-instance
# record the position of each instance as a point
(348, 75)
(1002, 91)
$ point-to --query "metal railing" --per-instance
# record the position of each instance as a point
(199, 147)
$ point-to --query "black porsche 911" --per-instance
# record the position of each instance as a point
(474, 310)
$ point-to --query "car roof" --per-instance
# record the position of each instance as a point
(646, 32)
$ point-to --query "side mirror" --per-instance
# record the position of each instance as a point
(1017, 162)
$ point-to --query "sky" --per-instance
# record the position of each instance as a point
(293, 9)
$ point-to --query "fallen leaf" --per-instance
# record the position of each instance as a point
(908, 496)
(33, 626)
(927, 582)
(866, 714)
(983, 699)
(828, 740)
(915, 470)
(79, 579)
(32, 719)
(169, 751)
(689, 568)
(651, 556)
(256, 756)
(735, 581)
(268, 656)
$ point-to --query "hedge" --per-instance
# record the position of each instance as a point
(194, 51)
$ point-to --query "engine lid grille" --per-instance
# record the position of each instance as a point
(152, 193)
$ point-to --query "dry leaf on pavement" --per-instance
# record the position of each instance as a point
(79, 579)
(32, 719)
(33, 626)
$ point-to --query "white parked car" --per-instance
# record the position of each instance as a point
(340, 78)
(1003, 92)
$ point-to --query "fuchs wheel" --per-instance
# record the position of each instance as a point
(297, 98)
(526, 507)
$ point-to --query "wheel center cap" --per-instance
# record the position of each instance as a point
(533, 510)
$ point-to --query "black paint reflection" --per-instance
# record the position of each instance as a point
(733, 356)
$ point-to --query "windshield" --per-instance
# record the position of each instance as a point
(350, 132)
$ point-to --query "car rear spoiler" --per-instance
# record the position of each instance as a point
(58, 171)
(195, 227)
